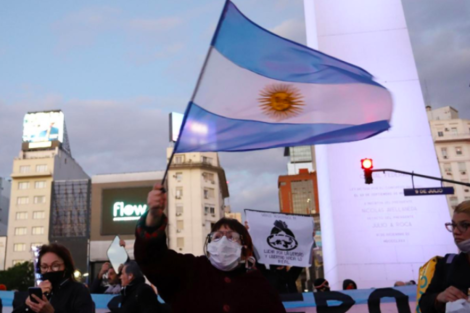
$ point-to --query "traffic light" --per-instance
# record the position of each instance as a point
(367, 166)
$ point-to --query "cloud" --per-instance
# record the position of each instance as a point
(440, 36)
(293, 29)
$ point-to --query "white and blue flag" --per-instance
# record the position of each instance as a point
(258, 91)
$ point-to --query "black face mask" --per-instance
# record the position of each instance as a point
(54, 277)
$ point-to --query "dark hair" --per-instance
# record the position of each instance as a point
(63, 253)
(131, 267)
(347, 282)
(236, 226)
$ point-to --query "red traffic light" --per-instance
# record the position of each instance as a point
(367, 164)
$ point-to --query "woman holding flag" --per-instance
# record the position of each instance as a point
(224, 280)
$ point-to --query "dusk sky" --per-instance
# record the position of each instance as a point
(118, 68)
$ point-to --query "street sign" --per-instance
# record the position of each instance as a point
(429, 191)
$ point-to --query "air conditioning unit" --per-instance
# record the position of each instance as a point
(445, 156)
(178, 214)
(213, 182)
(449, 173)
(205, 213)
(213, 215)
(178, 230)
(446, 129)
(463, 173)
(178, 197)
(466, 190)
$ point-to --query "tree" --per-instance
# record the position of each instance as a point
(18, 277)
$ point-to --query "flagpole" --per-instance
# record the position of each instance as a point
(188, 108)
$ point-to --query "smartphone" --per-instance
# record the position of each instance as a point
(35, 291)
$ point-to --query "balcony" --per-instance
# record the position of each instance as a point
(31, 174)
(452, 137)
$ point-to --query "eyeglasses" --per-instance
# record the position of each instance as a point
(230, 235)
(54, 267)
(462, 226)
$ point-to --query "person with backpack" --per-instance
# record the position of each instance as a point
(451, 280)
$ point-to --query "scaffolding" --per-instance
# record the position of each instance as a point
(70, 209)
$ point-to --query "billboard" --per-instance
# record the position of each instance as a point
(43, 127)
(176, 119)
(121, 208)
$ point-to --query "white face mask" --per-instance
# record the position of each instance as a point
(224, 254)
(464, 246)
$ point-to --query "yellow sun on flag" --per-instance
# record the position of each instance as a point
(281, 101)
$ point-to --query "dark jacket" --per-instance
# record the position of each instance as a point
(192, 284)
(137, 297)
(281, 280)
(455, 273)
(68, 297)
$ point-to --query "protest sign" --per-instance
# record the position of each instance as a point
(281, 239)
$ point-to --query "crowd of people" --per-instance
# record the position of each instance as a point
(226, 279)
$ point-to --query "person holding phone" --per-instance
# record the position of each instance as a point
(451, 280)
(58, 291)
(224, 280)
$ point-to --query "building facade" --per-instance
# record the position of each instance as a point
(197, 189)
(118, 201)
(451, 137)
(5, 189)
(302, 157)
(45, 157)
(298, 193)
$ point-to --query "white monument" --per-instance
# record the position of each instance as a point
(372, 233)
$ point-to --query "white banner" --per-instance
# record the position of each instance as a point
(281, 239)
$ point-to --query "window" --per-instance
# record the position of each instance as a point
(462, 168)
(22, 200)
(179, 159)
(440, 134)
(458, 150)
(39, 215)
(39, 199)
(448, 169)
(444, 152)
(19, 247)
(41, 168)
(454, 130)
(179, 192)
(209, 210)
(206, 160)
(208, 193)
(179, 209)
(25, 168)
(17, 262)
(38, 230)
(179, 226)
(23, 185)
(454, 201)
(20, 231)
(209, 177)
(179, 176)
(40, 184)
(180, 243)
(21, 215)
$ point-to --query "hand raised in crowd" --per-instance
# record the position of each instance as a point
(156, 201)
(122, 243)
(42, 305)
(45, 286)
(450, 294)
(104, 269)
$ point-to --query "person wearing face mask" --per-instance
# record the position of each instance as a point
(61, 292)
(451, 279)
(223, 280)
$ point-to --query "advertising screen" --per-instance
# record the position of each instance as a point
(121, 208)
(43, 127)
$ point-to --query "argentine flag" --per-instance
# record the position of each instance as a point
(258, 91)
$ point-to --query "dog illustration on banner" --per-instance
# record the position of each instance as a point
(282, 238)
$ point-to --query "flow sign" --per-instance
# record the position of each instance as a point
(429, 191)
